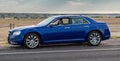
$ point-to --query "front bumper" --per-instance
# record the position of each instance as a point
(15, 40)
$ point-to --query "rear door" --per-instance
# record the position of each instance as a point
(78, 28)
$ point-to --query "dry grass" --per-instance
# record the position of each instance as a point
(20, 22)
(3, 35)
(110, 21)
(115, 37)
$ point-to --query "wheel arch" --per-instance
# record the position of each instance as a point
(94, 30)
(88, 40)
(35, 33)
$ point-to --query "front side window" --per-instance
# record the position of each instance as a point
(62, 21)
(46, 21)
(65, 21)
(79, 21)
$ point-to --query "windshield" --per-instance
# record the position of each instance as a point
(46, 21)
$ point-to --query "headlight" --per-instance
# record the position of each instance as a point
(17, 33)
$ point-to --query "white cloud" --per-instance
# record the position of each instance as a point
(70, 6)
(76, 3)
(8, 3)
(59, 6)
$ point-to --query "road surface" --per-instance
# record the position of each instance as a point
(107, 51)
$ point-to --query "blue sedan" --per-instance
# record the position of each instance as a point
(60, 29)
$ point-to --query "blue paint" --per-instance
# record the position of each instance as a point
(60, 33)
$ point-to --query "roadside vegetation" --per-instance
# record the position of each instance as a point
(115, 37)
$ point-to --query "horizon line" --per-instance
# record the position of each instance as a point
(55, 13)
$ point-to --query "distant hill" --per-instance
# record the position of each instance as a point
(44, 15)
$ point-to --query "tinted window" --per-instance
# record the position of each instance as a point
(79, 21)
(62, 21)
(65, 21)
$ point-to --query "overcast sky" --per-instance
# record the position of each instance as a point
(60, 6)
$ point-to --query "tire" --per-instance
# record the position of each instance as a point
(94, 38)
(31, 40)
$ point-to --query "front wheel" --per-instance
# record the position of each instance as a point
(31, 40)
(94, 38)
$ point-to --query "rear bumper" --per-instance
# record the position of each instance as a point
(106, 35)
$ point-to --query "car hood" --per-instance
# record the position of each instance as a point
(24, 27)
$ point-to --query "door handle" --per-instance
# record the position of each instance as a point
(67, 27)
(86, 26)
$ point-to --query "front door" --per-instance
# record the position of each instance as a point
(58, 32)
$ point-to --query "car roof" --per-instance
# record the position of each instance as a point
(70, 16)
(89, 19)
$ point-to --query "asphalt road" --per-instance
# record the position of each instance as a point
(108, 51)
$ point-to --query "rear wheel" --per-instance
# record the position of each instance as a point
(94, 38)
(31, 40)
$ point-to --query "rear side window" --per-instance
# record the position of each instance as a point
(79, 20)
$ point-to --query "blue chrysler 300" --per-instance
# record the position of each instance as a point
(60, 29)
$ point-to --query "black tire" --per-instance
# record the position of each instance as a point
(94, 38)
(31, 40)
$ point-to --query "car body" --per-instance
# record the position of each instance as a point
(60, 29)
